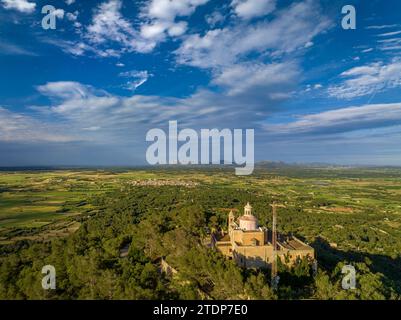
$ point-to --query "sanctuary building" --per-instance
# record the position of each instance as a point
(251, 246)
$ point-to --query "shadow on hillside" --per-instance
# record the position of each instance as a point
(328, 257)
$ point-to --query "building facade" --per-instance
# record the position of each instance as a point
(251, 246)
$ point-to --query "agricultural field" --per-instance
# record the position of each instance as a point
(76, 218)
(36, 205)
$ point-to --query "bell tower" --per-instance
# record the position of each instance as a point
(231, 219)
(248, 209)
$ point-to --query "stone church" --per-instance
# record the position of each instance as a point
(251, 246)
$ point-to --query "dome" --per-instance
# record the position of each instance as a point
(248, 218)
(248, 221)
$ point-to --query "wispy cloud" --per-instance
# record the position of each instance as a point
(24, 128)
(12, 49)
(262, 80)
(383, 26)
(136, 78)
(368, 79)
(342, 120)
(81, 48)
(367, 50)
(388, 42)
(389, 34)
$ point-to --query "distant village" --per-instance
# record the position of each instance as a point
(161, 182)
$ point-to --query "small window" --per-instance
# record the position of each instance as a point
(255, 242)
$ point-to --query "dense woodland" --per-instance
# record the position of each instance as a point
(173, 223)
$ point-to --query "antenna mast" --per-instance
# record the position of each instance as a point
(274, 279)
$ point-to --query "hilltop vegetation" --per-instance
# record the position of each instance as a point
(106, 235)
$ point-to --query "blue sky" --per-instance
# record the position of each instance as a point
(87, 92)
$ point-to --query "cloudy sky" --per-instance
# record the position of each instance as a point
(87, 92)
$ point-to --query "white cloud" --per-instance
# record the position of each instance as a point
(108, 25)
(69, 2)
(291, 29)
(209, 50)
(19, 5)
(390, 44)
(248, 9)
(136, 78)
(64, 89)
(12, 49)
(81, 48)
(384, 26)
(366, 80)
(310, 87)
(94, 128)
(367, 50)
(214, 18)
(388, 34)
(168, 10)
(72, 16)
(155, 30)
(388, 41)
(161, 18)
(343, 120)
(269, 80)
(177, 29)
(108, 35)
(76, 97)
(309, 44)
(59, 13)
(24, 128)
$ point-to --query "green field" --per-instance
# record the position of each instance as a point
(32, 202)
